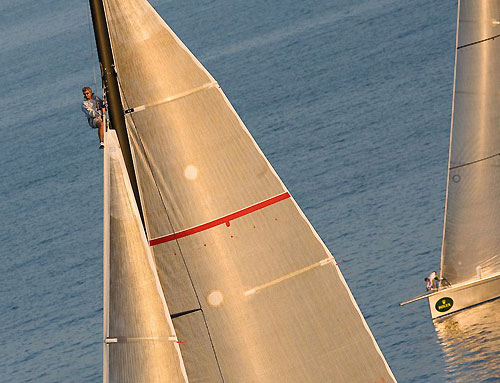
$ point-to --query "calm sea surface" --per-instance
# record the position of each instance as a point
(349, 99)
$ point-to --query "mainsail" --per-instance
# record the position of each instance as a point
(471, 242)
(254, 294)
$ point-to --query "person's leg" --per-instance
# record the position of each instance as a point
(100, 130)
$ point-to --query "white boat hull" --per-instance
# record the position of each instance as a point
(459, 297)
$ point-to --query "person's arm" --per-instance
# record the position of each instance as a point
(103, 109)
(99, 105)
(89, 112)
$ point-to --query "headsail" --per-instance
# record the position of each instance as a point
(254, 293)
(140, 341)
(471, 243)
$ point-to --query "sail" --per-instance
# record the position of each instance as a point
(471, 244)
(254, 294)
(140, 342)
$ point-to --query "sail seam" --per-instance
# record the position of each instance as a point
(478, 42)
(475, 162)
(219, 221)
(172, 98)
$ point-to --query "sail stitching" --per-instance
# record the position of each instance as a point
(475, 162)
(172, 98)
(219, 221)
(478, 42)
(295, 273)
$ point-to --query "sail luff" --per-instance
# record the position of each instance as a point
(159, 290)
(106, 253)
(139, 338)
(451, 138)
(157, 283)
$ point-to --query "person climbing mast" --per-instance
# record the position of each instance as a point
(93, 108)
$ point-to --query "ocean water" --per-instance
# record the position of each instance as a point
(350, 100)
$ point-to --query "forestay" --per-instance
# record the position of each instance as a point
(471, 244)
(140, 342)
(254, 294)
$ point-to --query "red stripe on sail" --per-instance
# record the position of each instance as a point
(219, 221)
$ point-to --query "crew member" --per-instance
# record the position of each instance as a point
(93, 108)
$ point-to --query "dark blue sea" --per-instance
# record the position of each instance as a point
(350, 100)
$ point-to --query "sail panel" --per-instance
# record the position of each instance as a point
(171, 268)
(206, 160)
(140, 341)
(473, 208)
(477, 21)
(472, 222)
(149, 40)
(276, 304)
(142, 362)
(273, 302)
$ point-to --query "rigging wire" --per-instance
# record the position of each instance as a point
(92, 62)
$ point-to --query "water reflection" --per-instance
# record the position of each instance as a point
(471, 343)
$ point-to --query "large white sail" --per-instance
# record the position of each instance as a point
(140, 341)
(471, 240)
(254, 294)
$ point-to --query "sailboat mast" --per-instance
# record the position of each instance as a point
(109, 77)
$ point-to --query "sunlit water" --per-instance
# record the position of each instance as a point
(470, 341)
(349, 99)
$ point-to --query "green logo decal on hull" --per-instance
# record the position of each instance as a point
(444, 304)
